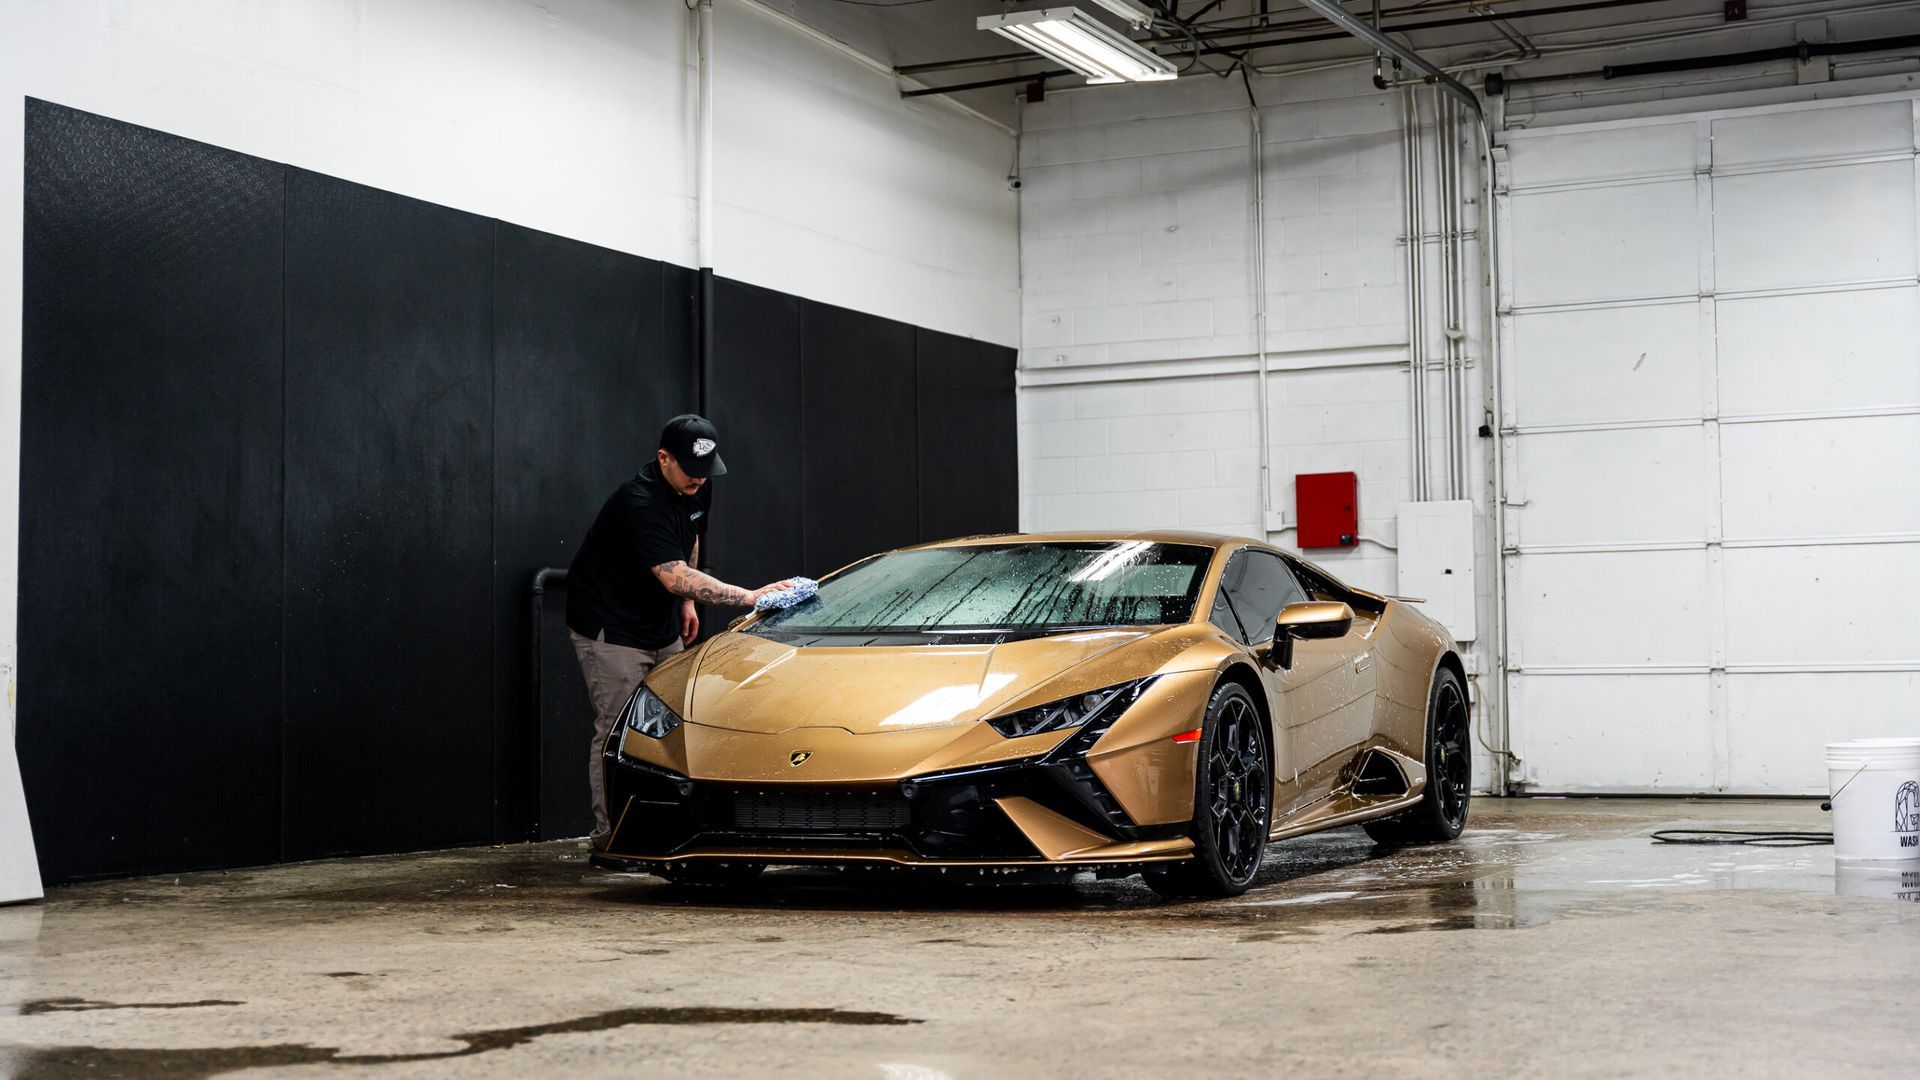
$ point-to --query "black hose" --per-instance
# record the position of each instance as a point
(1742, 836)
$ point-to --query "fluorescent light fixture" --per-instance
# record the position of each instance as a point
(1137, 17)
(1074, 39)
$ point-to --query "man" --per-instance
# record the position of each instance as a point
(633, 585)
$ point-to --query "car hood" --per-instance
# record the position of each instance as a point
(743, 682)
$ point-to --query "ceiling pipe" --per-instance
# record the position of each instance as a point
(1340, 17)
(1213, 37)
(1801, 51)
(703, 205)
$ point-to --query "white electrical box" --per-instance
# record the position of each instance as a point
(1436, 562)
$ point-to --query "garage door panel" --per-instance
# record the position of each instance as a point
(1807, 478)
(1609, 365)
(1800, 367)
(1605, 154)
(1811, 134)
(1813, 226)
(1836, 604)
(1779, 724)
(1814, 352)
(1595, 729)
(1606, 243)
(1611, 608)
(1613, 486)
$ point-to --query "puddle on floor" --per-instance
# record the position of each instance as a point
(74, 1004)
(59, 1062)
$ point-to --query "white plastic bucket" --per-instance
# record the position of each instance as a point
(1876, 799)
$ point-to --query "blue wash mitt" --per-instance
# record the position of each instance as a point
(801, 590)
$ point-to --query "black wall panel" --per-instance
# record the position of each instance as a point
(389, 503)
(753, 394)
(859, 475)
(293, 449)
(969, 475)
(149, 617)
(584, 379)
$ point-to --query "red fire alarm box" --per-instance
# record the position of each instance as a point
(1327, 506)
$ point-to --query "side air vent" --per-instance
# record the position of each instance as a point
(1379, 775)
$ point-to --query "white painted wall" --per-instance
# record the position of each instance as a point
(1137, 388)
(1138, 400)
(571, 116)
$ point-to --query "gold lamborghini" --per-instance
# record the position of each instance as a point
(1158, 703)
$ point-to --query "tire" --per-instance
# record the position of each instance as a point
(1232, 801)
(1442, 810)
(704, 875)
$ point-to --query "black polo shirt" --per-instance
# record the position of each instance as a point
(611, 585)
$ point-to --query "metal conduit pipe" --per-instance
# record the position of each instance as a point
(703, 137)
(1450, 280)
(1264, 406)
(1463, 422)
(1416, 344)
(1442, 123)
(1501, 745)
(703, 203)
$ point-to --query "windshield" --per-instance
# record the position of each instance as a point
(1004, 587)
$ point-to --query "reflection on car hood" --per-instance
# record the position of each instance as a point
(750, 683)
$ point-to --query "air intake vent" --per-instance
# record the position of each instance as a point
(1379, 775)
(820, 811)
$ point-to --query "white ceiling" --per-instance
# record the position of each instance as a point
(910, 32)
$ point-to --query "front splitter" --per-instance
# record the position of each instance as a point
(1135, 854)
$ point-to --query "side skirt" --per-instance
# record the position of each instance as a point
(1344, 809)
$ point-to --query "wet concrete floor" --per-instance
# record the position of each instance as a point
(1554, 939)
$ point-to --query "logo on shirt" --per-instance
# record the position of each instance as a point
(702, 447)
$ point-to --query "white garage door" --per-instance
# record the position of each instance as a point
(1712, 440)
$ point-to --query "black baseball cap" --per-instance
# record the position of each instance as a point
(694, 444)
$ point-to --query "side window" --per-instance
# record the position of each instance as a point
(1264, 588)
(1253, 589)
(1222, 615)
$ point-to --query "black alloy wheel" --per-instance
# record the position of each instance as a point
(1442, 810)
(1233, 801)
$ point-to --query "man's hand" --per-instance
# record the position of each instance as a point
(689, 622)
(753, 597)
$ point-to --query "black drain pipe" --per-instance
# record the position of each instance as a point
(1799, 50)
(541, 579)
(703, 347)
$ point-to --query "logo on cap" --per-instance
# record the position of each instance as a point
(702, 447)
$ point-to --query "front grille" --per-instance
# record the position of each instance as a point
(820, 811)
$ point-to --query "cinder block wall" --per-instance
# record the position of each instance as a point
(1137, 405)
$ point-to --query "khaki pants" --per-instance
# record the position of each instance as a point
(612, 672)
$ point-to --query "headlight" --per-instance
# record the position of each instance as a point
(649, 716)
(1066, 713)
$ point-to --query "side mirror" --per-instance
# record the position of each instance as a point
(1306, 620)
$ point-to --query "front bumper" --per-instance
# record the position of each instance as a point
(1049, 810)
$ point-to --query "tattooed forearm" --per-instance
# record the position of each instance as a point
(683, 580)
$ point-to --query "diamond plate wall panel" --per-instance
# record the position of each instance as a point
(389, 521)
(969, 474)
(584, 379)
(752, 389)
(859, 453)
(150, 518)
